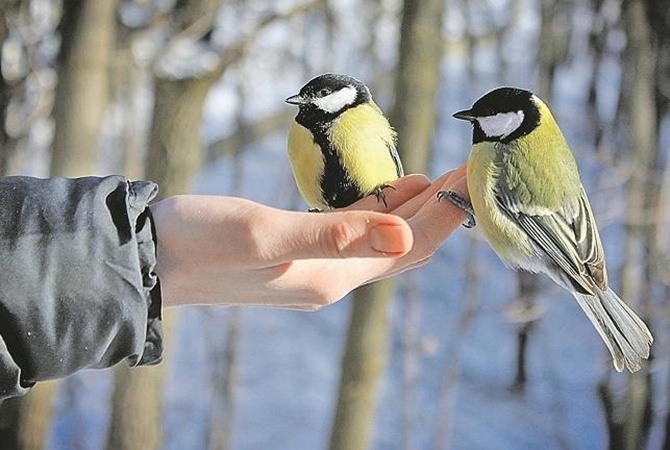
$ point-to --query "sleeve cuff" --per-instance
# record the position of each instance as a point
(140, 194)
(78, 287)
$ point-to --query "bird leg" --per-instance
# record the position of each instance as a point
(379, 193)
(463, 203)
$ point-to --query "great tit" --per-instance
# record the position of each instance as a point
(528, 200)
(341, 147)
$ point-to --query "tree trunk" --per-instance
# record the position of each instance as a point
(642, 196)
(662, 246)
(362, 366)
(25, 421)
(175, 148)
(175, 154)
(82, 93)
(640, 231)
(224, 380)
(446, 397)
(597, 45)
(5, 95)
(526, 318)
(414, 116)
(225, 370)
(528, 283)
(136, 413)
(87, 30)
(417, 83)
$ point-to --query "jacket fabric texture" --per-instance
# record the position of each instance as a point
(77, 282)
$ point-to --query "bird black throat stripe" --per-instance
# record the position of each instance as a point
(339, 190)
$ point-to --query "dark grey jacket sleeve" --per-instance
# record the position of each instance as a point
(77, 281)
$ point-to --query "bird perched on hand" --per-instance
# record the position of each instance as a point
(341, 147)
(528, 200)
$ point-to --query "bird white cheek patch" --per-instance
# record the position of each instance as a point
(334, 102)
(502, 124)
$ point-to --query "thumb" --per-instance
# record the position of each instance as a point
(345, 234)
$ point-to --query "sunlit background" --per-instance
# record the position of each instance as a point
(189, 93)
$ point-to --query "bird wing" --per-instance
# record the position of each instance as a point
(391, 144)
(569, 238)
(396, 158)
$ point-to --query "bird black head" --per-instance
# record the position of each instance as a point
(502, 115)
(325, 97)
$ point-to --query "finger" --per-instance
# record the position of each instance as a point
(402, 190)
(429, 195)
(434, 222)
(338, 234)
(458, 181)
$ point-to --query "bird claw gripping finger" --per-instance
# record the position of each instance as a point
(379, 193)
(462, 203)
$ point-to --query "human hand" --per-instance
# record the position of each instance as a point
(231, 251)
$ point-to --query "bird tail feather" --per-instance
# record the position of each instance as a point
(625, 334)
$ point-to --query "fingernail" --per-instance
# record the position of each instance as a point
(388, 239)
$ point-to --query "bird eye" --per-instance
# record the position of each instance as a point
(322, 93)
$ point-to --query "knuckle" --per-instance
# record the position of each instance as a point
(337, 239)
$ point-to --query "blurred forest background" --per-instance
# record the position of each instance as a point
(460, 354)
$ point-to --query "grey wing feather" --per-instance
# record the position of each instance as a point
(396, 158)
(569, 238)
(588, 242)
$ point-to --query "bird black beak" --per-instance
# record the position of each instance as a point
(466, 114)
(296, 100)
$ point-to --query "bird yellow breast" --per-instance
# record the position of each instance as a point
(307, 164)
(508, 241)
(362, 137)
